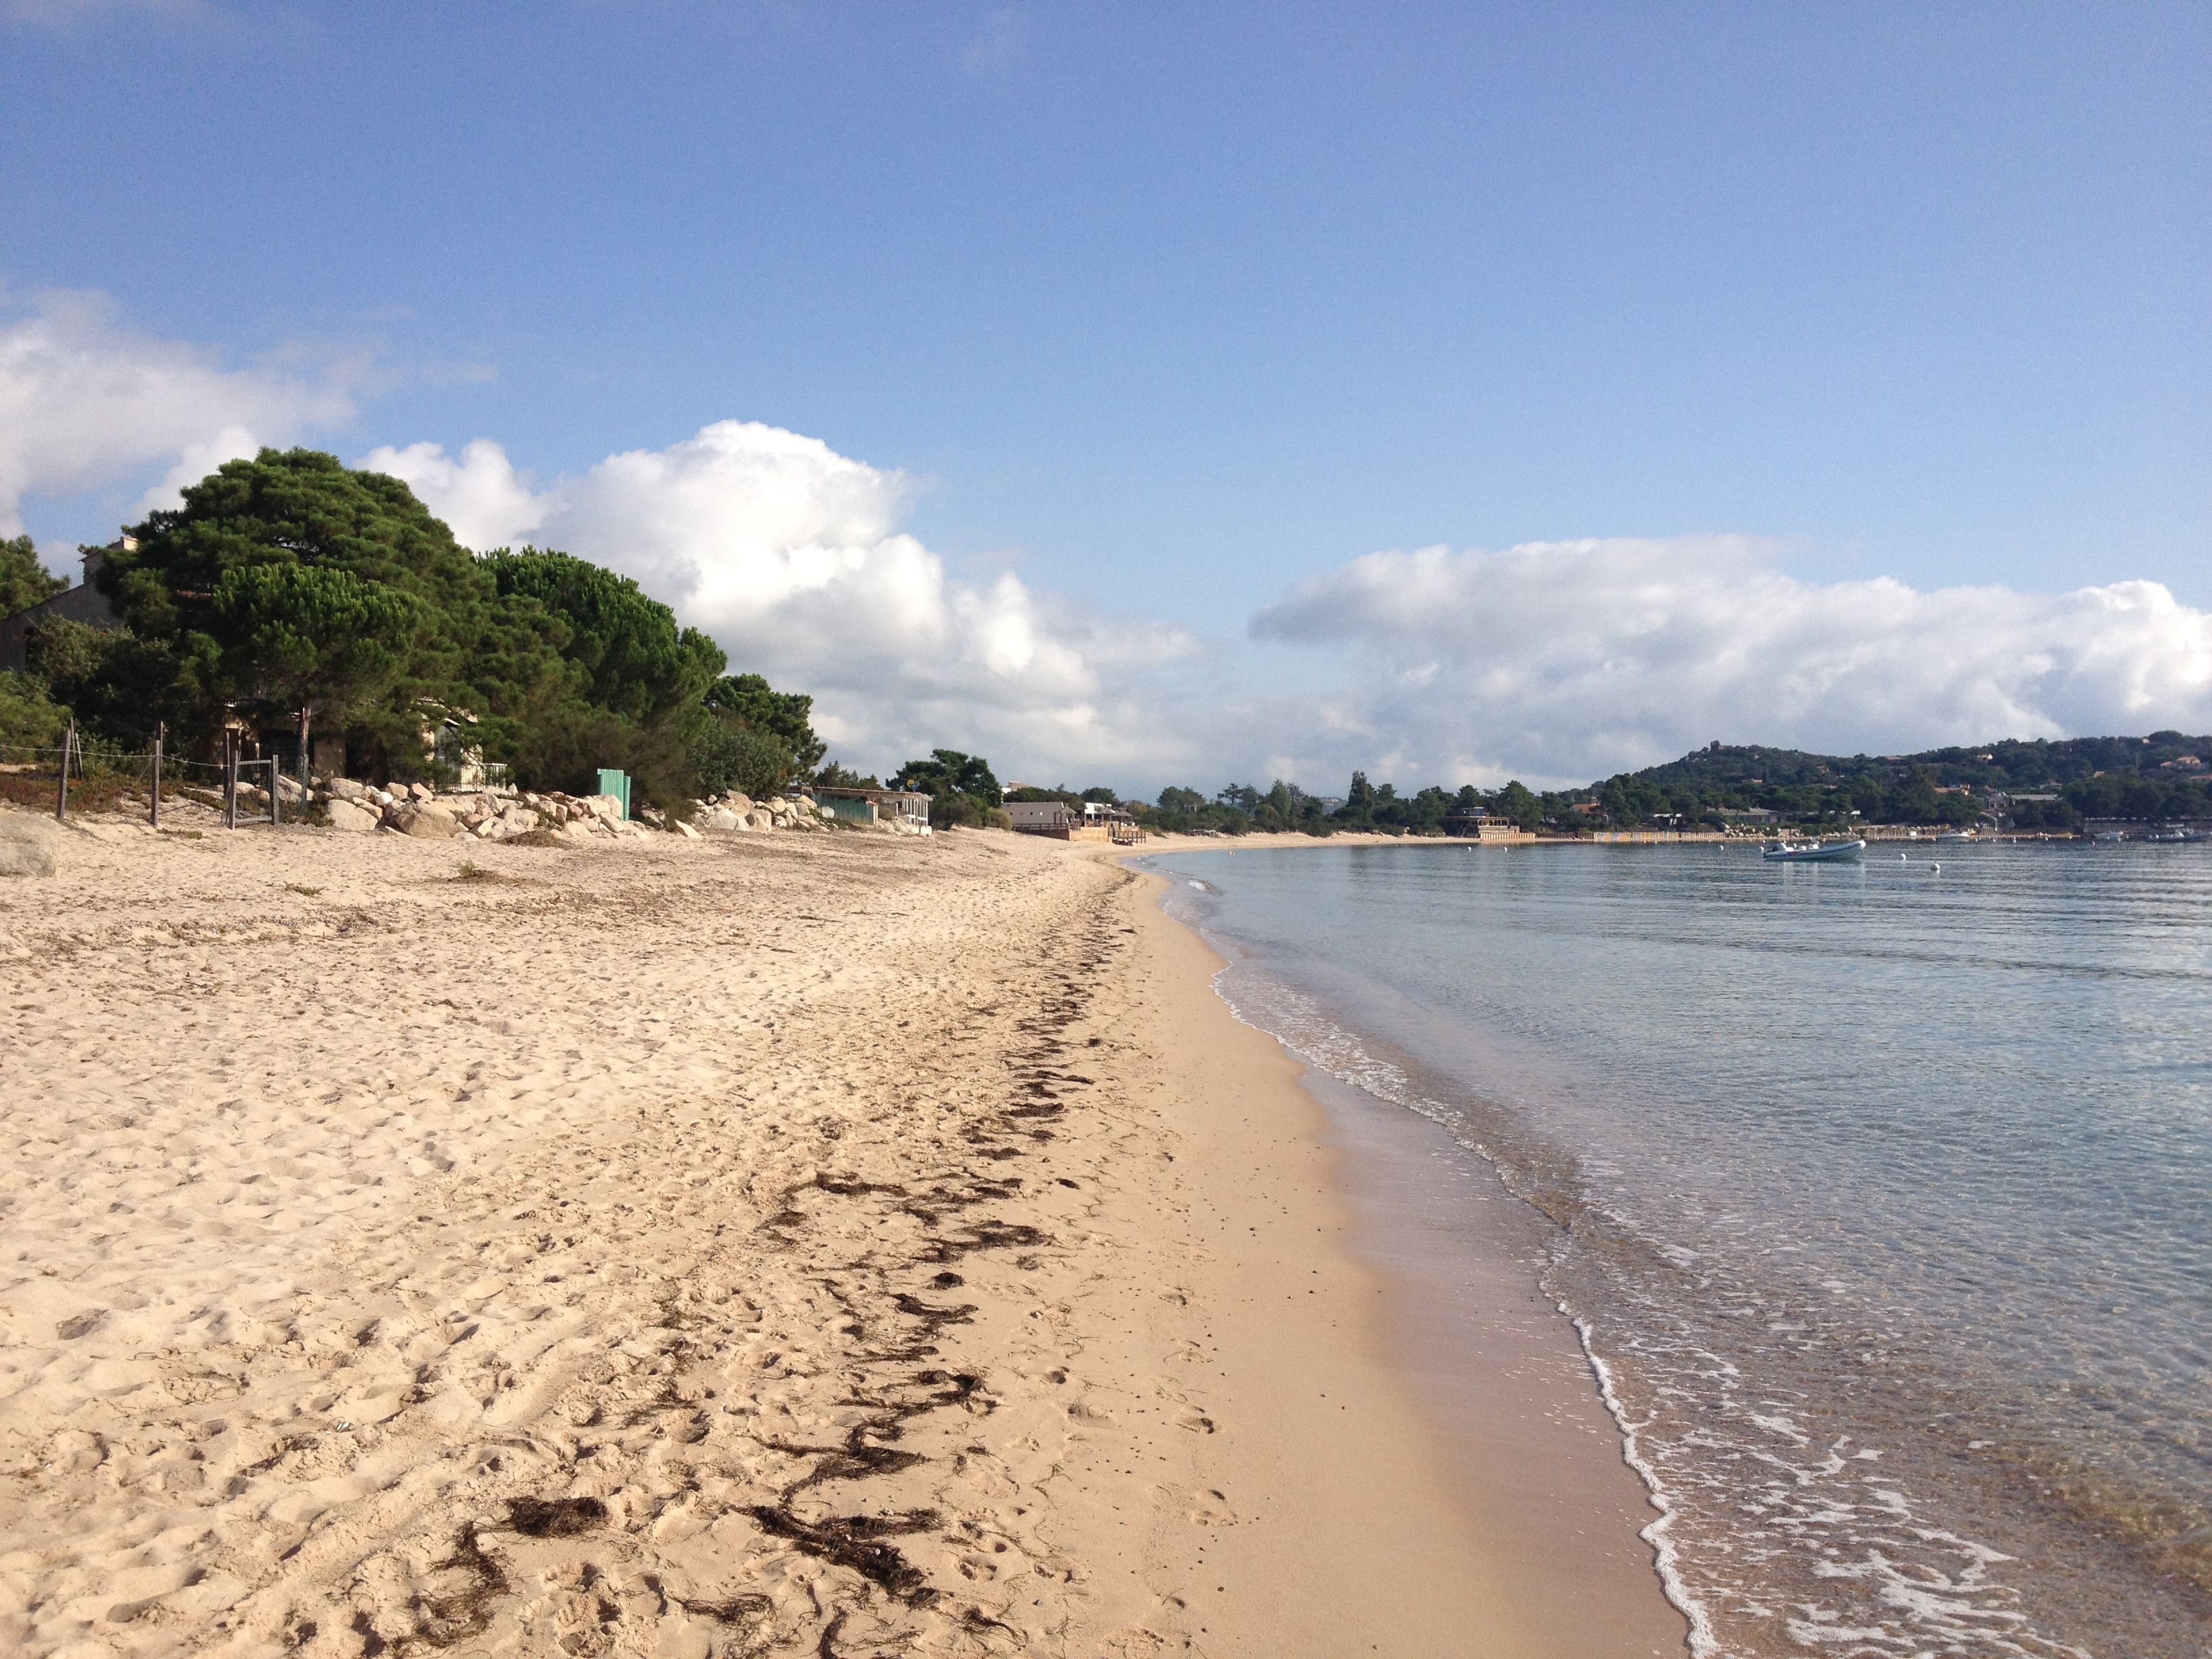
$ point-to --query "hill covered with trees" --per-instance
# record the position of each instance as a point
(2044, 784)
(2163, 775)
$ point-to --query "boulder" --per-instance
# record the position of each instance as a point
(346, 789)
(425, 821)
(26, 845)
(721, 817)
(687, 831)
(609, 807)
(737, 802)
(350, 816)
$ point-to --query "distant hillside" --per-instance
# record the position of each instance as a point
(2024, 785)
(2009, 765)
(2164, 776)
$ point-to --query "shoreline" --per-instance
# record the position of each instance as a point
(1499, 1374)
(2052, 1528)
(1482, 1533)
(834, 1246)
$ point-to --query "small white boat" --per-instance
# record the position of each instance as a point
(1956, 835)
(1810, 852)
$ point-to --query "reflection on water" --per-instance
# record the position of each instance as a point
(1883, 1192)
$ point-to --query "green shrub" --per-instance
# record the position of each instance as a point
(728, 754)
(29, 719)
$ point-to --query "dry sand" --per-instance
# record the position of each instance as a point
(827, 1245)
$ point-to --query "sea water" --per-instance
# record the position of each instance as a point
(1881, 1194)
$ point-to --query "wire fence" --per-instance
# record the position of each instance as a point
(85, 775)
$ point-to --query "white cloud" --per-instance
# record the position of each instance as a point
(1558, 662)
(1565, 661)
(484, 501)
(791, 556)
(84, 401)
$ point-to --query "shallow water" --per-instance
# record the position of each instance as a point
(1884, 1196)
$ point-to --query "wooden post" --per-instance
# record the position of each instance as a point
(305, 710)
(229, 775)
(160, 731)
(61, 793)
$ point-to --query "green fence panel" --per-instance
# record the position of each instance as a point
(618, 785)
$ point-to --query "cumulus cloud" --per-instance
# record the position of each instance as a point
(1558, 662)
(1565, 661)
(84, 401)
(484, 500)
(791, 556)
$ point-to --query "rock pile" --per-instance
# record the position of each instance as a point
(735, 813)
(417, 809)
(739, 814)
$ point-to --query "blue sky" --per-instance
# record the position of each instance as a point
(1168, 310)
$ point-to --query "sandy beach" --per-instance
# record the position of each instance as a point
(828, 1245)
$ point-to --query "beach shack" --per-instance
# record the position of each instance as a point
(871, 806)
(1484, 826)
(1089, 820)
